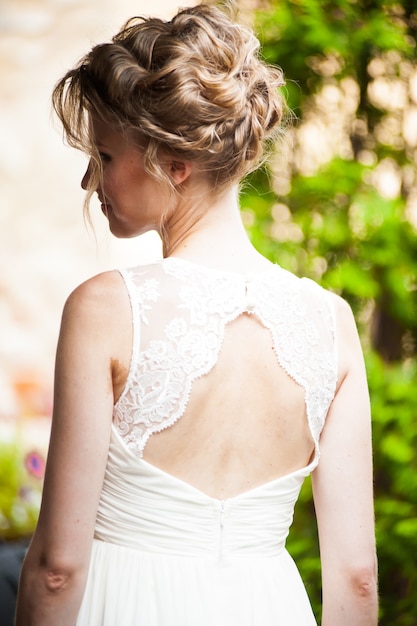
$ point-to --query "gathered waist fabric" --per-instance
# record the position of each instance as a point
(166, 554)
(144, 508)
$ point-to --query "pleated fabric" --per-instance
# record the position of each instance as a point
(166, 554)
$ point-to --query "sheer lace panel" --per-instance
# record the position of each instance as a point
(180, 313)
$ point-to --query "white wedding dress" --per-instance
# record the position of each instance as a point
(164, 552)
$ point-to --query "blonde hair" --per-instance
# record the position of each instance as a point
(195, 86)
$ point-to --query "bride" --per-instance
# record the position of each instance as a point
(193, 395)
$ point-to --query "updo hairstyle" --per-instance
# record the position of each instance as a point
(195, 86)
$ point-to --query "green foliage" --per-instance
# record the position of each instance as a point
(337, 222)
(298, 35)
(395, 432)
(19, 494)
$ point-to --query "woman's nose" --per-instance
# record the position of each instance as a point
(85, 179)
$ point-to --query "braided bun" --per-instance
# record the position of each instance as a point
(194, 85)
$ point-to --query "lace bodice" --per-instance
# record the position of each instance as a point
(180, 313)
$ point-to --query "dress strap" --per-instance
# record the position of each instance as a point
(136, 319)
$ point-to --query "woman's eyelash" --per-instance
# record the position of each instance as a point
(104, 157)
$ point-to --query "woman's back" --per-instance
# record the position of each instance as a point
(230, 380)
(231, 374)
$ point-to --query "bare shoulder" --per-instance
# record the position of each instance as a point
(99, 290)
(98, 308)
(97, 297)
(345, 324)
(344, 314)
(96, 329)
(347, 337)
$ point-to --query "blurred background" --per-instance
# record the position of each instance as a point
(337, 203)
(45, 248)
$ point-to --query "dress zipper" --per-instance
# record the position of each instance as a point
(221, 524)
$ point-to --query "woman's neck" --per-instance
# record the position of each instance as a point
(210, 231)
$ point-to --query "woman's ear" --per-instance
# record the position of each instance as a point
(179, 170)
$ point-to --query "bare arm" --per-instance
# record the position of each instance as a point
(55, 569)
(343, 492)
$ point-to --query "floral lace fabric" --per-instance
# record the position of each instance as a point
(180, 315)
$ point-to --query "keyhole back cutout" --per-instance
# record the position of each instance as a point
(245, 421)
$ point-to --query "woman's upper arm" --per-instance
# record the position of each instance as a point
(343, 481)
(83, 404)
